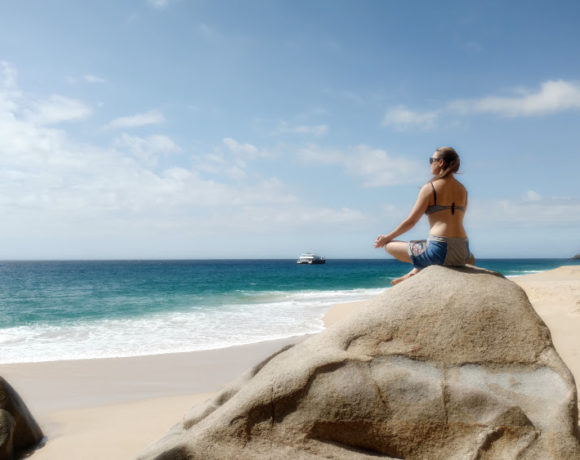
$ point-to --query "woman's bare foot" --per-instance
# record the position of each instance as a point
(407, 276)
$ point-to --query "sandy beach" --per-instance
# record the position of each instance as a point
(114, 408)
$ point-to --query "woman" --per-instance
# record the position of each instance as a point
(444, 200)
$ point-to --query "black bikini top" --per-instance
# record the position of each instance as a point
(439, 207)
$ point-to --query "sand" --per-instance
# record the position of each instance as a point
(114, 408)
(556, 297)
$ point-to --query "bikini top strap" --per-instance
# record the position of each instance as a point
(434, 194)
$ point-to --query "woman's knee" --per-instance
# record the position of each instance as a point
(398, 249)
(391, 248)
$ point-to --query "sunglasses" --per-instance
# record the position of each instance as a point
(432, 160)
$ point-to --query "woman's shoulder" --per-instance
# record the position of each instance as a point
(459, 184)
(442, 184)
(426, 188)
(449, 180)
(437, 182)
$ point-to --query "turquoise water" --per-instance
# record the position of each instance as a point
(92, 309)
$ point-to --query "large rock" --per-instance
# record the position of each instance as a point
(451, 364)
(18, 429)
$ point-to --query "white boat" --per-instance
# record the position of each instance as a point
(310, 259)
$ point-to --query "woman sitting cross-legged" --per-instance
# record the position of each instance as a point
(444, 200)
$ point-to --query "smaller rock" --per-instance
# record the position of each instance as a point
(6, 433)
(18, 429)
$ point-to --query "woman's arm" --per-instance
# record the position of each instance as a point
(416, 213)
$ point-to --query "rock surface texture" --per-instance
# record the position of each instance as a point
(18, 429)
(453, 363)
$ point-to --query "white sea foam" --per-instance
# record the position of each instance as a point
(524, 272)
(269, 316)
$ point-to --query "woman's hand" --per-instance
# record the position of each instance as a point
(382, 241)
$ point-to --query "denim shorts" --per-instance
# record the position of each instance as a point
(438, 250)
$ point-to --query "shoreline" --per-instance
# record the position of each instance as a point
(115, 407)
(284, 316)
(163, 353)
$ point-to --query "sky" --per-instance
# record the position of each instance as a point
(193, 129)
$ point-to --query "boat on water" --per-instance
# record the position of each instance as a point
(310, 259)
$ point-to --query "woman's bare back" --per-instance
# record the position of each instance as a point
(448, 222)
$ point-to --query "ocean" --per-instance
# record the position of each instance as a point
(52, 311)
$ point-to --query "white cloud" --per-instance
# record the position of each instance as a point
(49, 182)
(89, 78)
(379, 169)
(290, 216)
(244, 153)
(47, 177)
(57, 109)
(298, 215)
(230, 159)
(56, 192)
(247, 151)
(317, 130)
(159, 4)
(376, 167)
(147, 149)
(8, 76)
(531, 210)
(552, 97)
(403, 118)
(152, 117)
(319, 155)
(9, 92)
(530, 195)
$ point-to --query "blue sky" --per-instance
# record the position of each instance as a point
(242, 129)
